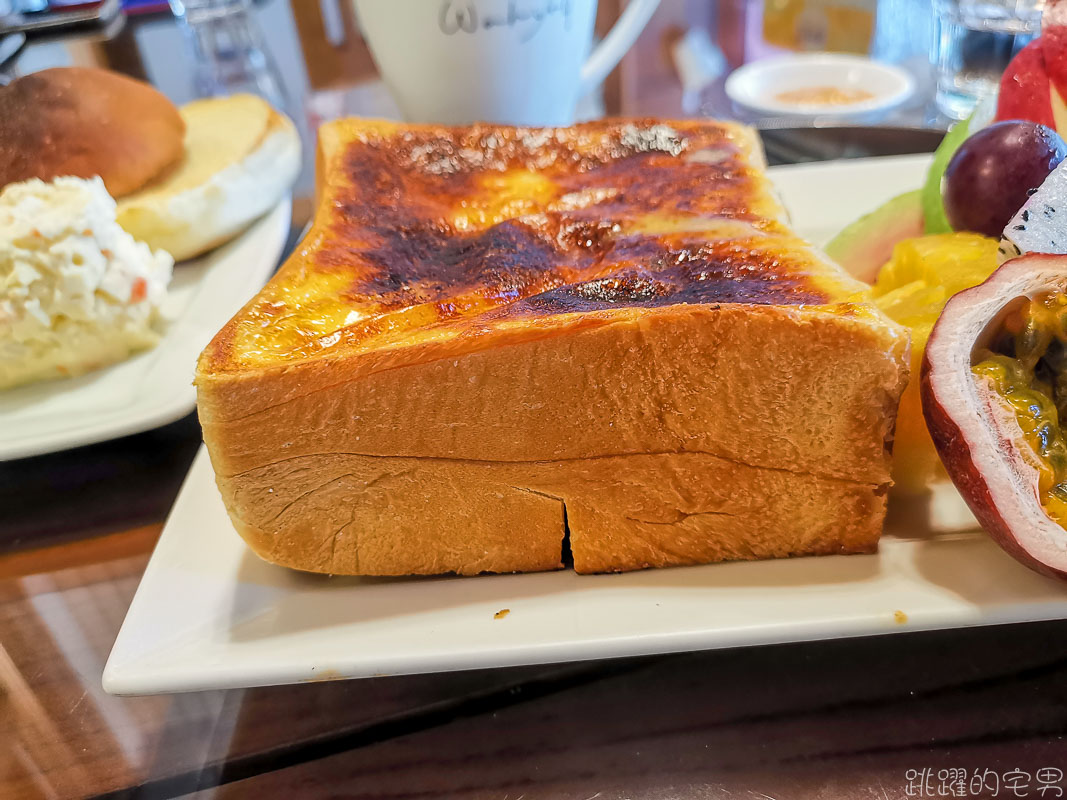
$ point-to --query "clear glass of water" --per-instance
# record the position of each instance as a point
(229, 52)
(975, 42)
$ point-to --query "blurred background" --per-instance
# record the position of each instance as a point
(310, 58)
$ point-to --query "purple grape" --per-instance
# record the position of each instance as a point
(991, 175)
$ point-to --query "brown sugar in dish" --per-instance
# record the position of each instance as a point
(824, 96)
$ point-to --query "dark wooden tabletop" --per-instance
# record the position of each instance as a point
(968, 713)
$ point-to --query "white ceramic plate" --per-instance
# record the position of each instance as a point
(154, 387)
(756, 86)
(242, 622)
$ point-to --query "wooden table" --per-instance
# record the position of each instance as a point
(882, 717)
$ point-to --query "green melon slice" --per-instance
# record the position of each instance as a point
(932, 206)
(867, 244)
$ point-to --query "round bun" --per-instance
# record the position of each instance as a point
(84, 122)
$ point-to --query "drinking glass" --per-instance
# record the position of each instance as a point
(229, 53)
(976, 40)
(10, 46)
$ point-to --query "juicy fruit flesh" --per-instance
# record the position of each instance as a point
(867, 244)
(912, 289)
(1038, 227)
(1027, 367)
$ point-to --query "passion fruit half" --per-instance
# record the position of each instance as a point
(994, 388)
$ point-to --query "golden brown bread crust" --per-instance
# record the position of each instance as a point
(680, 378)
(351, 514)
(83, 122)
(674, 432)
(805, 457)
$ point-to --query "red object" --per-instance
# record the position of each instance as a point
(1024, 89)
(1054, 43)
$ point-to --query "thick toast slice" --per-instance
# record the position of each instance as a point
(492, 336)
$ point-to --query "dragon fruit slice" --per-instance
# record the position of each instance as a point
(1040, 226)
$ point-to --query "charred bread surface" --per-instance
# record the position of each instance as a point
(494, 335)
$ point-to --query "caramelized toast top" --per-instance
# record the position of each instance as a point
(441, 236)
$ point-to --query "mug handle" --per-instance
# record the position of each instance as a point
(614, 46)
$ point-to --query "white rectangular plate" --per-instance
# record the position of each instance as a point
(154, 387)
(209, 614)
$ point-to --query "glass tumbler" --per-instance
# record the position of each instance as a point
(976, 40)
(229, 53)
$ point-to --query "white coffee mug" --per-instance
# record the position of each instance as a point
(518, 62)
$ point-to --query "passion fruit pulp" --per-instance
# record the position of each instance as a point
(1028, 370)
(994, 388)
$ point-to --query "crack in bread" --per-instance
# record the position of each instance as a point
(491, 333)
(679, 516)
(645, 505)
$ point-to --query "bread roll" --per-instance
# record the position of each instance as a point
(84, 122)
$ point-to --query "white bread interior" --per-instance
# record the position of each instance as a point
(241, 157)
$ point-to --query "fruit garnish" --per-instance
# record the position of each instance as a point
(1025, 92)
(1040, 226)
(991, 175)
(1053, 41)
(865, 245)
(1035, 81)
(994, 387)
(911, 289)
(932, 206)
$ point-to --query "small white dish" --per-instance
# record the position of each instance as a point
(759, 86)
(154, 387)
(209, 614)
